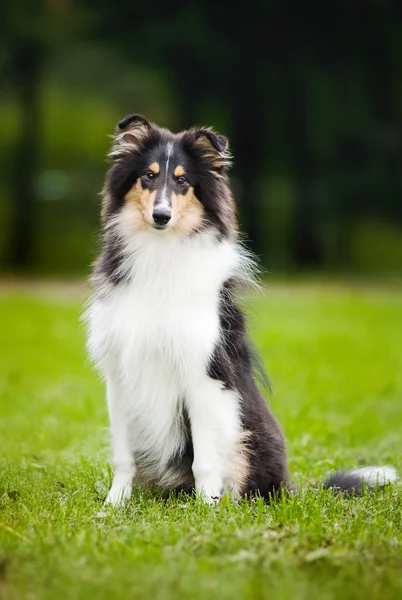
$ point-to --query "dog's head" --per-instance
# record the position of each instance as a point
(165, 182)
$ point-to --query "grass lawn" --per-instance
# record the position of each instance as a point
(334, 353)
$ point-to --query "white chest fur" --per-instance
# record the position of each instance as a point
(156, 333)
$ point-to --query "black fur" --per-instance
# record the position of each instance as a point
(132, 119)
(110, 261)
(232, 363)
(182, 463)
(346, 482)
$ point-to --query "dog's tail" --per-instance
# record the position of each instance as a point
(356, 480)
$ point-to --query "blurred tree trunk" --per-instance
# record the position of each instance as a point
(27, 63)
(380, 74)
(187, 71)
(306, 247)
(248, 142)
(248, 102)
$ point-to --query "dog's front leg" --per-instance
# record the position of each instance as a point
(215, 424)
(123, 458)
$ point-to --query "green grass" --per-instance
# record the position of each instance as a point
(334, 354)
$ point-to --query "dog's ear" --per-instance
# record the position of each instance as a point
(206, 134)
(213, 147)
(134, 120)
(130, 134)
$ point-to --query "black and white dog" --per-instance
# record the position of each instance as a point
(166, 332)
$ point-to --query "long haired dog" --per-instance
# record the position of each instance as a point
(166, 332)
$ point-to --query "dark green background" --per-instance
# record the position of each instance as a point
(311, 101)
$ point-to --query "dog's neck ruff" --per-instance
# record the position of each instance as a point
(163, 277)
(156, 331)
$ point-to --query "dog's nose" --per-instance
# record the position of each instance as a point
(161, 216)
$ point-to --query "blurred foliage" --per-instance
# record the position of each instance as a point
(312, 106)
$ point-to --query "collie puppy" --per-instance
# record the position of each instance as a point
(165, 330)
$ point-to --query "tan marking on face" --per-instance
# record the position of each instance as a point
(139, 204)
(179, 171)
(155, 168)
(187, 212)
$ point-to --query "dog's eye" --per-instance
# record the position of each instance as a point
(150, 175)
(181, 180)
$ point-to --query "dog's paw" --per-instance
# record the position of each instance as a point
(118, 494)
(209, 496)
(212, 500)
